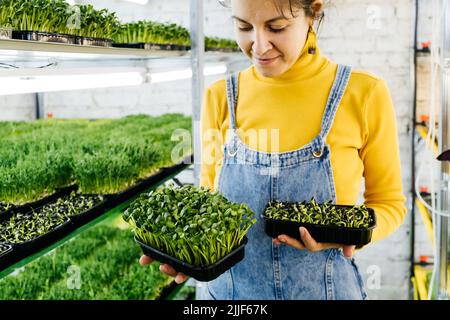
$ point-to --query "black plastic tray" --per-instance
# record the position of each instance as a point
(92, 213)
(322, 233)
(59, 192)
(5, 256)
(44, 36)
(146, 183)
(152, 46)
(199, 273)
(90, 41)
(24, 249)
(31, 246)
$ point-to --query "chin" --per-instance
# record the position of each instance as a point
(268, 73)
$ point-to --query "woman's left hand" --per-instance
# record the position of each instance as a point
(310, 244)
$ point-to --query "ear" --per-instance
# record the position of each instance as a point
(317, 7)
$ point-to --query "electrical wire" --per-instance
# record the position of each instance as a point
(8, 66)
(11, 66)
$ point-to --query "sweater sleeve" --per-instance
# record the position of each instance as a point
(210, 140)
(381, 158)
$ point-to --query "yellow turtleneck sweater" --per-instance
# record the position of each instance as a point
(363, 138)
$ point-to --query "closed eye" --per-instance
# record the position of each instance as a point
(274, 30)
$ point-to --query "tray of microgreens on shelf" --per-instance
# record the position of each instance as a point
(152, 35)
(29, 231)
(58, 21)
(198, 232)
(327, 222)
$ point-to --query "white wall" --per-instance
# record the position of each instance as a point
(373, 35)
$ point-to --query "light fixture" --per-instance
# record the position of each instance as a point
(185, 74)
(21, 81)
(46, 83)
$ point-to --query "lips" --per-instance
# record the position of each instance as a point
(266, 61)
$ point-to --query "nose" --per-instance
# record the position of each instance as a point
(261, 43)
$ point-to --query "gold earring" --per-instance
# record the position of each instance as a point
(312, 45)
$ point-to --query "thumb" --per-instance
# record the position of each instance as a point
(348, 251)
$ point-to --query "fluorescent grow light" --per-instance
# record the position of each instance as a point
(46, 83)
(21, 81)
(185, 74)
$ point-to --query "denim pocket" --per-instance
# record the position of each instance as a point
(359, 278)
(222, 287)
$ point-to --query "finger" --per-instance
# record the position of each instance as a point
(180, 278)
(276, 241)
(349, 251)
(310, 244)
(165, 268)
(291, 242)
(144, 260)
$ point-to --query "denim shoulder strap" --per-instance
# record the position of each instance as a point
(232, 96)
(334, 99)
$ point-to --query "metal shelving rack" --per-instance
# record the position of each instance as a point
(439, 234)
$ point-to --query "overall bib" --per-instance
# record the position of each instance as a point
(273, 272)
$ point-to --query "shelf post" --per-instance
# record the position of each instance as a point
(197, 62)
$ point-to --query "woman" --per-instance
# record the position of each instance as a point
(293, 126)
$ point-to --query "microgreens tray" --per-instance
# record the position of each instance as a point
(195, 230)
(96, 42)
(144, 184)
(152, 46)
(321, 222)
(6, 252)
(207, 273)
(43, 36)
(82, 208)
(21, 230)
(59, 192)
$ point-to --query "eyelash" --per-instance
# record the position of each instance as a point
(270, 29)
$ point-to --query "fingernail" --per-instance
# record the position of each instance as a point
(302, 231)
(282, 239)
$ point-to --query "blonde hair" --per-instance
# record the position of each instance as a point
(312, 8)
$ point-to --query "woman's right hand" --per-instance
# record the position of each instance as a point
(165, 268)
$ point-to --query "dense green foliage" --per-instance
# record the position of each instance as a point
(152, 32)
(166, 33)
(59, 17)
(322, 214)
(107, 261)
(191, 224)
(103, 156)
(212, 43)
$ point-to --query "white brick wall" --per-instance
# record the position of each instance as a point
(374, 35)
(18, 107)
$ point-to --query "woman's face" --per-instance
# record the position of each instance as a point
(271, 41)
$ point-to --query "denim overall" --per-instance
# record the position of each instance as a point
(273, 272)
